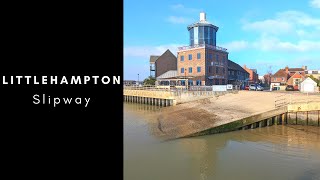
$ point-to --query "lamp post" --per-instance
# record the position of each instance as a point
(138, 79)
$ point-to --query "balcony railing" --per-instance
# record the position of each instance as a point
(202, 45)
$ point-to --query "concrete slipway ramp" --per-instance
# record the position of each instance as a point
(221, 114)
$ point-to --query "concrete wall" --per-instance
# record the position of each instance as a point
(304, 106)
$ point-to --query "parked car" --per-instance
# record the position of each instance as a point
(289, 88)
(275, 88)
(255, 87)
(246, 88)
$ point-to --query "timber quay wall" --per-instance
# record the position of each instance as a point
(292, 114)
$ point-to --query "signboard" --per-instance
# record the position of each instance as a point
(219, 88)
(229, 86)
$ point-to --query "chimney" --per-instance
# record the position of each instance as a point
(287, 69)
(202, 16)
(305, 67)
(244, 67)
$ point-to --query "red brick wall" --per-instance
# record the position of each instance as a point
(203, 62)
(295, 76)
(194, 63)
(279, 79)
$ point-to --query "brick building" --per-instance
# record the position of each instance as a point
(202, 62)
(295, 80)
(253, 75)
(236, 74)
(162, 64)
(288, 76)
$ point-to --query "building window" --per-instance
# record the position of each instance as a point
(198, 83)
(198, 69)
(190, 69)
(182, 70)
(190, 83)
(190, 56)
(198, 55)
(217, 57)
(223, 70)
(210, 56)
(274, 79)
(183, 82)
(229, 72)
(217, 70)
(283, 79)
(181, 58)
(314, 72)
(209, 69)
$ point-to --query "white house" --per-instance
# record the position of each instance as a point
(308, 85)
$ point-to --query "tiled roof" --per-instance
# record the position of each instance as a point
(234, 66)
(280, 73)
(153, 58)
(168, 74)
(296, 69)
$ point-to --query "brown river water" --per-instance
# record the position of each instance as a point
(275, 152)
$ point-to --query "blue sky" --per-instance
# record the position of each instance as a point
(259, 34)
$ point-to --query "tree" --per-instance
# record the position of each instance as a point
(267, 77)
(315, 80)
(149, 81)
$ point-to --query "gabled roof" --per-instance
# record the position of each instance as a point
(234, 66)
(153, 58)
(295, 69)
(301, 76)
(167, 55)
(309, 80)
(167, 52)
(280, 73)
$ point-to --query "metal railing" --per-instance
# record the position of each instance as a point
(202, 45)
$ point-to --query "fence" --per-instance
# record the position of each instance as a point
(180, 94)
(285, 99)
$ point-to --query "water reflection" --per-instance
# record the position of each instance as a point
(276, 152)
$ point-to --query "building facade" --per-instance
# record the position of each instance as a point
(153, 65)
(202, 62)
(295, 80)
(289, 76)
(314, 73)
(253, 75)
(162, 64)
(236, 74)
(280, 77)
